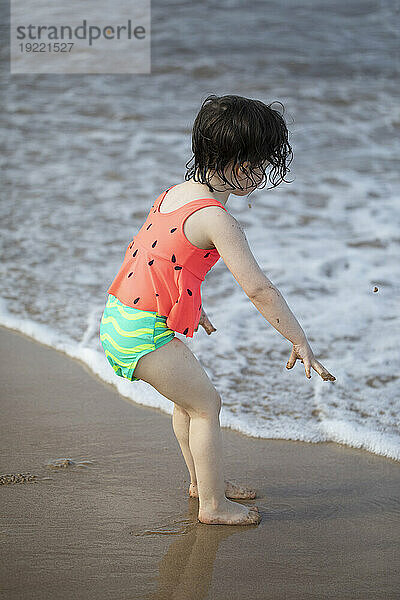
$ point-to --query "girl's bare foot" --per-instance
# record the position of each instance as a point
(230, 513)
(232, 490)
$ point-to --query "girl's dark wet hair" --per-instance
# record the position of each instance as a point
(233, 128)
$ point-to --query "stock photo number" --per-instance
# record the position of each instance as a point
(46, 47)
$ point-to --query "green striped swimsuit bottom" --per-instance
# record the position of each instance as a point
(127, 334)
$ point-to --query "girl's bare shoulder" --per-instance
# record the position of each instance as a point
(197, 226)
(214, 221)
(228, 237)
(216, 218)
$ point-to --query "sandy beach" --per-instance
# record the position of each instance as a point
(108, 513)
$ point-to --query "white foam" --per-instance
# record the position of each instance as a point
(283, 427)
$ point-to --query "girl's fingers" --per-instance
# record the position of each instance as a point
(292, 359)
(309, 362)
(209, 328)
(324, 373)
(207, 325)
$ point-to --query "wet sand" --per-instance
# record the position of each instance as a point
(112, 518)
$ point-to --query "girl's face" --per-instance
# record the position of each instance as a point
(245, 181)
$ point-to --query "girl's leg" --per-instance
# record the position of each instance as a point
(180, 425)
(175, 372)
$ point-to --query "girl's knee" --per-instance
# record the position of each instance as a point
(179, 409)
(209, 409)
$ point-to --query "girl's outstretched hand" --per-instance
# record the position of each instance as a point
(304, 353)
(205, 322)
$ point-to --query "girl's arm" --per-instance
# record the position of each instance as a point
(228, 237)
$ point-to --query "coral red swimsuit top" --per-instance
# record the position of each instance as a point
(162, 271)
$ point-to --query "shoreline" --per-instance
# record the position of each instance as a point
(368, 440)
(118, 518)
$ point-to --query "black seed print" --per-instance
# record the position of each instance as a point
(186, 330)
(148, 227)
(130, 247)
(189, 291)
(134, 254)
(173, 258)
(172, 230)
(151, 262)
(154, 211)
(130, 274)
(200, 307)
(157, 294)
(136, 300)
(208, 254)
(153, 244)
(176, 302)
(177, 268)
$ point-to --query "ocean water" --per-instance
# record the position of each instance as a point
(84, 157)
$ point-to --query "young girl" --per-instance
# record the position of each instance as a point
(156, 292)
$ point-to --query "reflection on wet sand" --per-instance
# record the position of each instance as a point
(186, 570)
